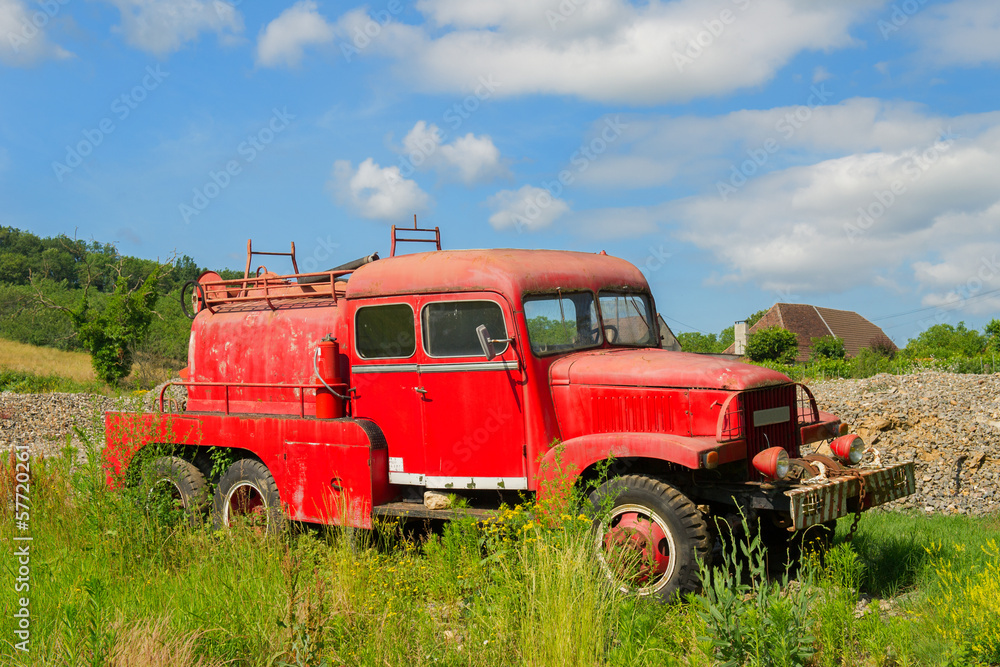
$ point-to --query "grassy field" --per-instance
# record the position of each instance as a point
(46, 361)
(33, 369)
(113, 584)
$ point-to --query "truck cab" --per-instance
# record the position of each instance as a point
(494, 375)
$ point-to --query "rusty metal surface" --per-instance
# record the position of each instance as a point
(654, 367)
(327, 470)
(834, 498)
(418, 511)
(507, 271)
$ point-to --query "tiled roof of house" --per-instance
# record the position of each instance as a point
(809, 322)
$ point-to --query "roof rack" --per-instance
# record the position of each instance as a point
(395, 236)
(270, 287)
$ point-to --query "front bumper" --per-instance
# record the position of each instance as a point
(811, 504)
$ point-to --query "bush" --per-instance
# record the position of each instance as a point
(112, 334)
(882, 346)
(828, 347)
(992, 333)
(943, 341)
(773, 344)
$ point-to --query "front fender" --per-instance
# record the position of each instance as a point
(573, 456)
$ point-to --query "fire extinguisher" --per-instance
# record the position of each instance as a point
(329, 402)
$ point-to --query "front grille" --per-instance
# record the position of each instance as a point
(781, 434)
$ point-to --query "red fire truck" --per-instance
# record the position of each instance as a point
(344, 395)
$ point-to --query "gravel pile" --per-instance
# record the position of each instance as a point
(948, 424)
(45, 420)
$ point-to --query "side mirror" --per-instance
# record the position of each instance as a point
(485, 342)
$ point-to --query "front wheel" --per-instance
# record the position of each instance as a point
(248, 495)
(649, 537)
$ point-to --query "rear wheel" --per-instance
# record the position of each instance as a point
(649, 537)
(248, 495)
(173, 485)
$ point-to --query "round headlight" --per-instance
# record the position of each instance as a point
(772, 462)
(848, 448)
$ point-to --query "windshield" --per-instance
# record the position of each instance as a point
(562, 322)
(627, 319)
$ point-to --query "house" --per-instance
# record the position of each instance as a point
(810, 322)
(668, 341)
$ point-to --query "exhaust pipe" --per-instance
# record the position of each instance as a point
(349, 266)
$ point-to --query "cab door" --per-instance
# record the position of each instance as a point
(385, 376)
(472, 408)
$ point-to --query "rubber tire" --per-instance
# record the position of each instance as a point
(684, 522)
(189, 484)
(253, 475)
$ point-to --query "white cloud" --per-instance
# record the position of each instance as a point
(284, 40)
(694, 150)
(469, 158)
(931, 211)
(613, 50)
(23, 39)
(161, 27)
(526, 209)
(962, 32)
(821, 74)
(375, 192)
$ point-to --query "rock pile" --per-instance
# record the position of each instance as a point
(45, 420)
(948, 424)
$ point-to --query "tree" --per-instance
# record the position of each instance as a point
(992, 333)
(755, 318)
(882, 346)
(943, 341)
(773, 344)
(828, 347)
(693, 341)
(112, 334)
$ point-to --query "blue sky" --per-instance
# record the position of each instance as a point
(741, 152)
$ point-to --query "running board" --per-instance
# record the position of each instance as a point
(418, 511)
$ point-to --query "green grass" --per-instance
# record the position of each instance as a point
(867, 365)
(25, 382)
(111, 584)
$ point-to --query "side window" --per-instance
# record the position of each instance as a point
(449, 327)
(385, 332)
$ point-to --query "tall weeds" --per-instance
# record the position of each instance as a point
(114, 583)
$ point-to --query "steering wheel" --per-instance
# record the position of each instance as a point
(613, 338)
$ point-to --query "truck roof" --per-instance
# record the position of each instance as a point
(504, 270)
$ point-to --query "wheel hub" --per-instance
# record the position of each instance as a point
(246, 503)
(638, 549)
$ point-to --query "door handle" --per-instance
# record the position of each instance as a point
(420, 390)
